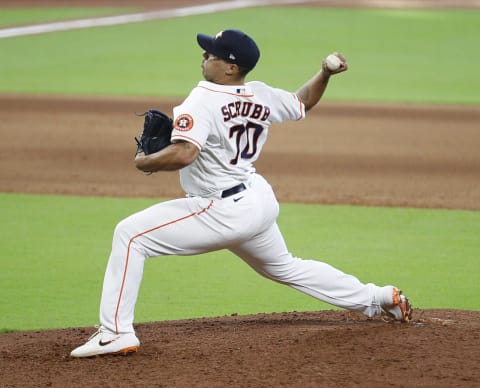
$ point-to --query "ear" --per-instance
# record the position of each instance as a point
(231, 69)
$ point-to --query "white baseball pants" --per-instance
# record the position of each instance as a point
(244, 223)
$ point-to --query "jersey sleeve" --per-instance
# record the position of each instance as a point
(191, 122)
(284, 105)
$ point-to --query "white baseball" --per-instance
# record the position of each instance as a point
(333, 62)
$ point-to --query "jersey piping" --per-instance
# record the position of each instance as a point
(189, 139)
(224, 92)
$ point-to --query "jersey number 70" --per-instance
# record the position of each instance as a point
(252, 132)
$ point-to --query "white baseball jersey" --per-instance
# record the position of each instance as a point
(229, 124)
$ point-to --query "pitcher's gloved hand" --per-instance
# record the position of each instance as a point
(157, 130)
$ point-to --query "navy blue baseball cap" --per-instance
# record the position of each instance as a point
(233, 46)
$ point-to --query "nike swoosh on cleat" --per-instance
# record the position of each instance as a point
(237, 199)
(101, 343)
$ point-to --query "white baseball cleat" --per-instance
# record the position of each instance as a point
(103, 343)
(400, 309)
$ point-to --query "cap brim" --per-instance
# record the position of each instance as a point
(205, 42)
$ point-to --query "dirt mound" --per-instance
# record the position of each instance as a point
(440, 348)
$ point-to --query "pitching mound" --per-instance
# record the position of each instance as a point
(440, 348)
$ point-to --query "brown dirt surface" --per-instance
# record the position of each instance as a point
(364, 154)
(384, 155)
(440, 348)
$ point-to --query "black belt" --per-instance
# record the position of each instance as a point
(234, 190)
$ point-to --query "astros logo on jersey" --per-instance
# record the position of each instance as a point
(184, 122)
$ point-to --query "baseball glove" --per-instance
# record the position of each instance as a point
(157, 130)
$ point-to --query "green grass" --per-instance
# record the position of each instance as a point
(55, 249)
(415, 56)
(10, 17)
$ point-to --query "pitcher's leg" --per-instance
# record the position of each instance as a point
(165, 229)
(121, 284)
(267, 253)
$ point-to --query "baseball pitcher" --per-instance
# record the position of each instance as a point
(215, 137)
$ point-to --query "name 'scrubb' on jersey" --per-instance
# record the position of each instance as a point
(245, 109)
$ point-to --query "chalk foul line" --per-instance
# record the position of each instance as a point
(139, 17)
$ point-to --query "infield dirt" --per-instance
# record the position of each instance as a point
(362, 154)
